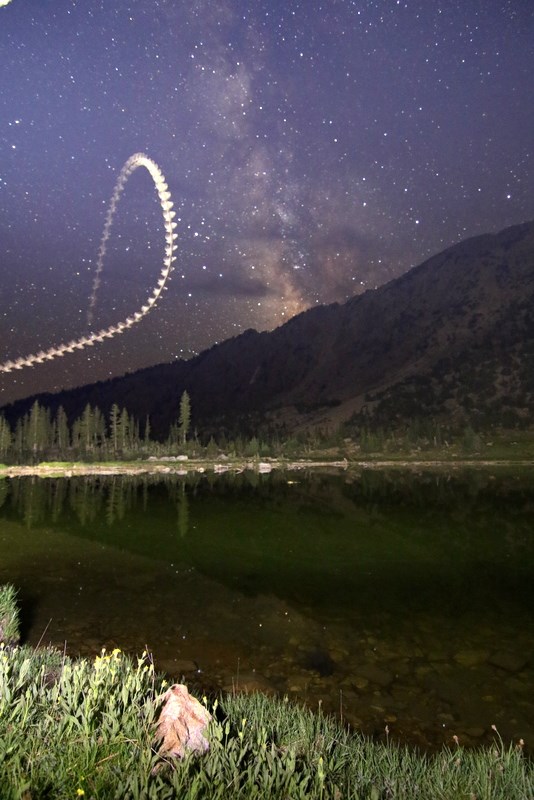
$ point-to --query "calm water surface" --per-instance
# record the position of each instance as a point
(395, 599)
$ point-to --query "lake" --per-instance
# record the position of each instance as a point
(401, 601)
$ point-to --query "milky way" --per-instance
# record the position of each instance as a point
(314, 150)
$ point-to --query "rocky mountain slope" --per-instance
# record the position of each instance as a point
(453, 339)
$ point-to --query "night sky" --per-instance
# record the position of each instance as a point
(314, 149)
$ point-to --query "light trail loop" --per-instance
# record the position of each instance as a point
(133, 163)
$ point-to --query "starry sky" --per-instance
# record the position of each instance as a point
(314, 149)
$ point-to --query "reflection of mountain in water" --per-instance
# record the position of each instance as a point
(325, 541)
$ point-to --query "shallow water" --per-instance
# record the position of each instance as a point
(397, 600)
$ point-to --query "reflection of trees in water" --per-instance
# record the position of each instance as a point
(121, 497)
(31, 501)
(93, 498)
(398, 530)
(179, 497)
(465, 488)
(59, 493)
(85, 499)
(468, 499)
(183, 513)
(4, 491)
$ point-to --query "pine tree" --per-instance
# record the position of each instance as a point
(135, 434)
(114, 417)
(87, 428)
(38, 430)
(61, 432)
(19, 438)
(251, 449)
(75, 434)
(99, 429)
(211, 448)
(184, 420)
(124, 430)
(5, 437)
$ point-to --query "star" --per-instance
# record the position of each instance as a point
(312, 151)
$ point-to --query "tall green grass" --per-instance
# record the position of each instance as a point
(9, 618)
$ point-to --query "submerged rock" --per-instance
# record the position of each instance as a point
(319, 660)
(471, 658)
(249, 682)
(376, 675)
(511, 662)
(177, 667)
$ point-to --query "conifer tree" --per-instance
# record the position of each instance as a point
(37, 429)
(61, 431)
(19, 438)
(5, 437)
(99, 429)
(87, 428)
(124, 430)
(184, 420)
(114, 417)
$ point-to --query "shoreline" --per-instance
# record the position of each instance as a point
(236, 466)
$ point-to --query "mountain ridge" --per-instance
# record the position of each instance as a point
(335, 361)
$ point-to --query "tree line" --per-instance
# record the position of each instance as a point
(39, 434)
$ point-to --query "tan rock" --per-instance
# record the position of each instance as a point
(181, 724)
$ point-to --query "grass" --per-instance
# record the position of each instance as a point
(82, 728)
(9, 619)
(513, 446)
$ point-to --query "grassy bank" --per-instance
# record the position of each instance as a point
(85, 728)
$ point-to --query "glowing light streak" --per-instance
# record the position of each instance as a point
(133, 163)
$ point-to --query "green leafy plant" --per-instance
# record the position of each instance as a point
(9, 616)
